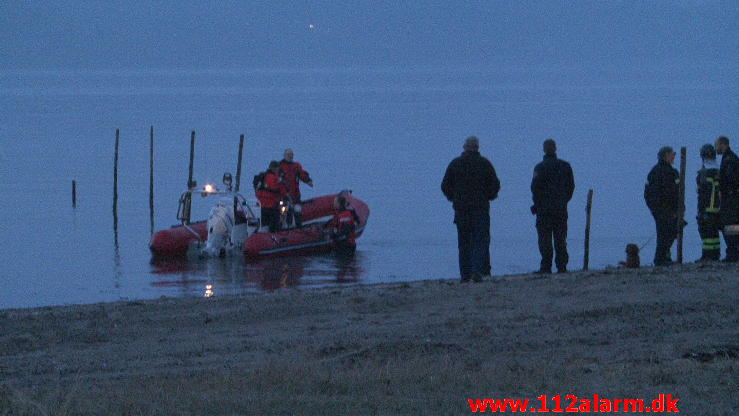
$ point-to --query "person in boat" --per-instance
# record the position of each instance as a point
(709, 222)
(270, 190)
(293, 175)
(342, 227)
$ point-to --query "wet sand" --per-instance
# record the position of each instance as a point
(410, 348)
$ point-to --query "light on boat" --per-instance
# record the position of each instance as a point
(208, 291)
(209, 188)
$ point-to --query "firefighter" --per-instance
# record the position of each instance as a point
(293, 174)
(270, 191)
(729, 189)
(551, 188)
(661, 195)
(343, 225)
(708, 204)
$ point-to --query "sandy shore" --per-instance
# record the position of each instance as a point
(414, 348)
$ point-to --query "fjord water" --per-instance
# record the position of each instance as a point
(386, 133)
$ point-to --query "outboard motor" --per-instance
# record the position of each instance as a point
(220, 226)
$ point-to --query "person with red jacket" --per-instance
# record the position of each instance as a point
(293, 174)
(270, 192)
(343, 226)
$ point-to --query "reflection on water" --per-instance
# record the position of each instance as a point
(215, 276)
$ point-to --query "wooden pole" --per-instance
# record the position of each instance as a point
(115, 173)
(681, 206)
(74, 194)
(588, 210)
(115, 189)
(151, 180)
(192, 159)
(238, 163)
(190, 184)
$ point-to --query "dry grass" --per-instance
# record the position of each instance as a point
(420, 348)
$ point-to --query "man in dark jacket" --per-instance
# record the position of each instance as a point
(708, 204)
(729, 188)
(661, 193)
(551, 189)
(470, 183)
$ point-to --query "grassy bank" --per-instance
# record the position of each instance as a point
(413, 348)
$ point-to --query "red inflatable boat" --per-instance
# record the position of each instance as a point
(234, 226)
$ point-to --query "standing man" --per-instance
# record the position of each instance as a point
(551, 189)
(661, 193)
(708, 204)
(470, 183)
(729, 188)
(293, 173)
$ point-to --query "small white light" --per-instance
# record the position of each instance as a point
(209, 188)
(311, 26)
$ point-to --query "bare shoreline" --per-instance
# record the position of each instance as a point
(400, 348)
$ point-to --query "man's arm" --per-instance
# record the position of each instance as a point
(570, 182)
(537, 182)
(494, 185)
(304, 176)
(447, 184)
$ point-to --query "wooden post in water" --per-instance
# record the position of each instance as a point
(115, 174)
(115, 190)
(588, 209)
(192, 160)
(238, 163)
(681, 206)
(74, 193)
(151, 180)
(190, 184)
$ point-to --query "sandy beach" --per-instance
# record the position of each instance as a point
(410, 348)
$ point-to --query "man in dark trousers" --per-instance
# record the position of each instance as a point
(551, 188)
(729, 188)
(709, 222)
(661, 193)
(470, 183)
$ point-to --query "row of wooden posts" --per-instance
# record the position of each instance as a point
(190, 184)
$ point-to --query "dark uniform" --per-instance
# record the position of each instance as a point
(551, 189)
(729, 211)
(661, 193)
(470, 182)
(708, 212)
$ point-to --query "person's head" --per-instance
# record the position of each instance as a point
(708, 152)
(722, 144)
(471, 144)
(274, 166)
(289, 155)
(666, 154)
(550, 147)
(339, 202)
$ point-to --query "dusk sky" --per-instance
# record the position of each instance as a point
(52, 35)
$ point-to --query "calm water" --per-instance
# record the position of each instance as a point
(387, 134)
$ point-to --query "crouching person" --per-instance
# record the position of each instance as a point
(342, 227)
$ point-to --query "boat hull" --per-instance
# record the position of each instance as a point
(310, 238)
